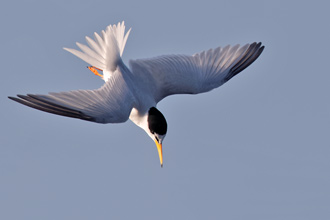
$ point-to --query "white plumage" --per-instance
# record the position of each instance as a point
(134, 93)
(105, 52)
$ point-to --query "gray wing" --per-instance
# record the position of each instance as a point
(112, 103)
(201, 72)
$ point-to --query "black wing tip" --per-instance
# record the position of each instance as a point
(21, 96)
(256, 44)
(251, 54)
(15, 98)
(33, 101)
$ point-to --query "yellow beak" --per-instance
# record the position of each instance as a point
(160, 152)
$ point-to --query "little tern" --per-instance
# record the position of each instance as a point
(133, 93)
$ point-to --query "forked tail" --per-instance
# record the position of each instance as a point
(105, 51)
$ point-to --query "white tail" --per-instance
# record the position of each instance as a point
(106, 50)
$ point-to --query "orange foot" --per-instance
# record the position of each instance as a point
(94, 70)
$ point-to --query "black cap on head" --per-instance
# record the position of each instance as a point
(156, 122)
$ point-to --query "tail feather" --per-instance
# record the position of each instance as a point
(105, 51)
(118, 32)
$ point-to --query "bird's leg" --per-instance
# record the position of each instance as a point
(94, 70)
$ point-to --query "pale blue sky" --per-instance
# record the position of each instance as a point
(256, 148)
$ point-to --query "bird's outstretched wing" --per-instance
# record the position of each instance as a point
(201, 72)
(112, 103)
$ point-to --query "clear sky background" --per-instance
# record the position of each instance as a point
(256, 148)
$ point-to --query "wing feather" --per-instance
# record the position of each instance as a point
(112, 103)
(201, 72)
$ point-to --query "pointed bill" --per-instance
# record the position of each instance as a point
(160, 152)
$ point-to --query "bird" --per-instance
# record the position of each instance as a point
(133, 92)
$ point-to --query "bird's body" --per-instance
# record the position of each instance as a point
(133, 93)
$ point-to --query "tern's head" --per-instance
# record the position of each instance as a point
(157, 127)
